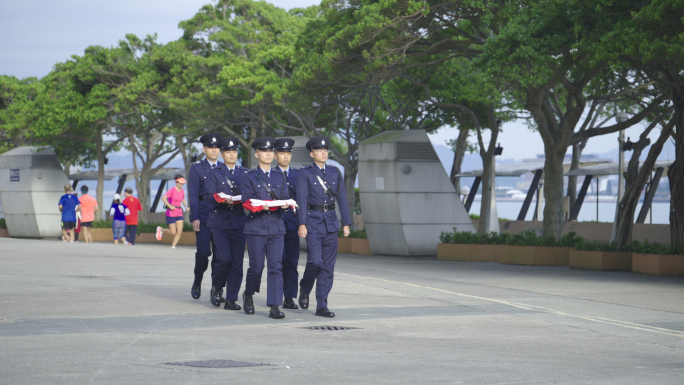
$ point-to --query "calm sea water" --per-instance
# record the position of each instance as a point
(606, 211)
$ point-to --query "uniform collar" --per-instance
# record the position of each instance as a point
(265, 172)
(284, 169)
(214, 164)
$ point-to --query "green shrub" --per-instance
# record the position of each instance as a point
(3, 224)
(527, 238)
(587, 245)
(656, 248)
(142, 227)
(361, 234)
(474, 216)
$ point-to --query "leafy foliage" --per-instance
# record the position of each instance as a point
(526, 238)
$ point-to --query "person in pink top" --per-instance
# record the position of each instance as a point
(174, 214)
(88, 207)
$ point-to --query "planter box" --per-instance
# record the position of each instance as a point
(4, 233)
(99, 235)
(146, 238)
(187, 239)
(353, 246)
(656, 264)
(600, 260)
(534, 255)
(468, 253)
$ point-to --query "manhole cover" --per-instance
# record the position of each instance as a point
(329, 328)
(91, 276)
(217, 364)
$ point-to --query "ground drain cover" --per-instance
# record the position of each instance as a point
(91, 276)
(217, 364)
(329, 328)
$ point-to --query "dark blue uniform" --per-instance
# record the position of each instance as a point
(317, 212)
(291, 244)
(200, 171)
(265, 231)
(227, 223)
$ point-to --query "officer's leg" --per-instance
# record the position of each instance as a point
(237, 256)
(213, 255)
(256, 248)
(313, 261)
(220, 275)
(290, 261)
(325, 276)
(202, 242)
(274, 281)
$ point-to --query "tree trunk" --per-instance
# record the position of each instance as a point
(460, 148)
(635, 180)
(675, 174)
(572, 180)
(184, 154)
(486, 202)
(99, 194)
(553, 189)
(349, 179)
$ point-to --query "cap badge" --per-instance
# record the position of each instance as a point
(268, 143)
(323, 142)
(231, 143)
(285, 145)
(213, 139)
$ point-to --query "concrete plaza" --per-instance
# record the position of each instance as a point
(102, 314)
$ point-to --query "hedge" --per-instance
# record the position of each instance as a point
(353, 234)
(142, 227)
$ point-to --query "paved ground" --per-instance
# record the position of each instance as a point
(76, 313)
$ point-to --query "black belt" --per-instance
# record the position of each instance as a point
(322, 207)
(201, 197)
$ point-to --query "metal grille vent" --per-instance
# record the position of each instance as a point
(415, 151)
(326, 328)
(218, 364)
(45, 162)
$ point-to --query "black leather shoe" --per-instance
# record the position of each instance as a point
(304, 300)
(196, 291)
(247, 303)
(231, 305)
(215, 298)
(276, 313)
(324, 312)
(289, 304)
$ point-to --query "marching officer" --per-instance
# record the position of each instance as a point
(265, 229)
(199, 209)
(319, 187)
(227, 223)
(283, 154)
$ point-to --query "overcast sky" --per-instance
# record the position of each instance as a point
(39, 33)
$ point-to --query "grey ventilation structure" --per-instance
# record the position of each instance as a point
(31, 183)
(406, 196)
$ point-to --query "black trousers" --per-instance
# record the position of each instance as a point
(130, 233)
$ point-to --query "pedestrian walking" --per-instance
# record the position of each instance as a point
(200, 208)
(88, 208)
(283, 155)
(264, 229)
(319, 188)
(173, 200)
(68, 205)
(118, 212)
(227, 223)
(134, 207)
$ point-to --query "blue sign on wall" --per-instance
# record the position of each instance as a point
(14, 175)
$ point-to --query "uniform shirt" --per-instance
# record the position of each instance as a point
(310, 192)
(289, 216)
(199, 172)
(69, 203)
(264, 222)
(175, 198)
(223, 216)
(88, 204)
(134, 206)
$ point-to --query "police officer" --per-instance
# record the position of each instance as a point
(199, 208)
(283, 154)
(264, 229)
(227, 223)
(319, 188)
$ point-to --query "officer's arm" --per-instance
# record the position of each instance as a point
(302, 197)
(211, 187)
(342, 201)
(193, 193)
(248, 192)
